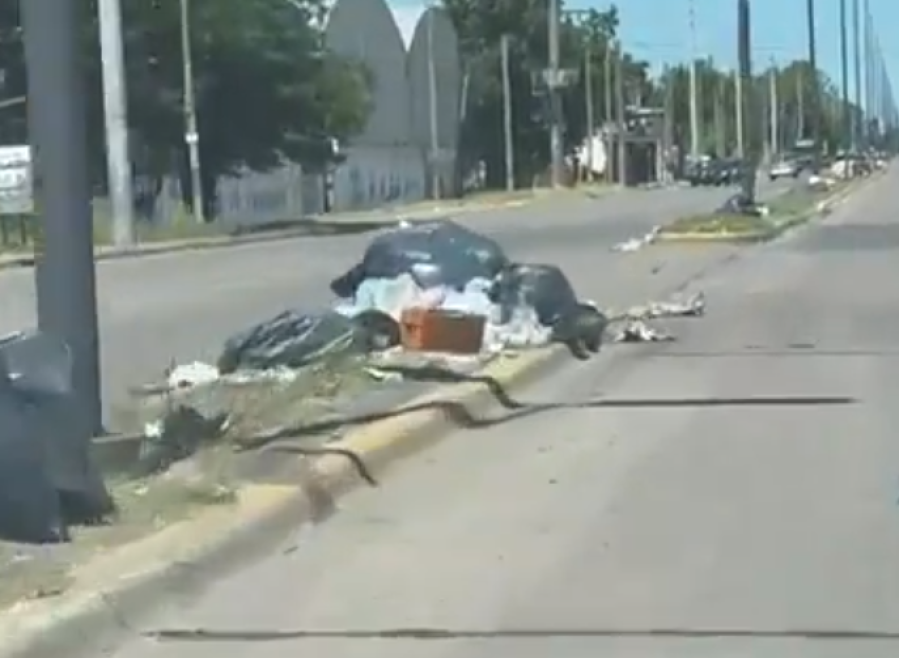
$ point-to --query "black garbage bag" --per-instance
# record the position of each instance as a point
(38, 368)
(547, 290)
(438, 253)
(30, 509)
(293, 339)
(47, 478)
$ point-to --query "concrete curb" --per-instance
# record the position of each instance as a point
(748, 237)
(220, 242)
(108, 600)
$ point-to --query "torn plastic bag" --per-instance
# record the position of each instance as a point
(38, 370)
(293, 339)
(437, 254)
(547, 290)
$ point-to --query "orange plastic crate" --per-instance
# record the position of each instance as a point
(433, 330)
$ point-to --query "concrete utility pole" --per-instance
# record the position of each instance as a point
(857, 115)
(694, 86)
(507, 115)
(588, 103)
(747, 98)
(115, 110)
(815, 100)
(720, 124)
(774, 110)
(738, 114)
(620, 116)
(845, 115)
(191, 133)
(555, 100)
(433, 124)
(64, 273)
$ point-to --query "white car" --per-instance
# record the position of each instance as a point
(783, 169)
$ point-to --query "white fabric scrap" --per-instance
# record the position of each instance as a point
(636, 244)
(637, 331)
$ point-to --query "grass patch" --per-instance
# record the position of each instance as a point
(145, 506)
(787, 209)
(719, 224)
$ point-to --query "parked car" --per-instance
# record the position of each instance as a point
(785, 169)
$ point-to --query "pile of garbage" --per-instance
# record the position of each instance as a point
(439, 266)
(459, 286)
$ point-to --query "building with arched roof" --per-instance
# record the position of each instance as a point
(391, 160)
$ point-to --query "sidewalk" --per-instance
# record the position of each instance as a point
(328, 224)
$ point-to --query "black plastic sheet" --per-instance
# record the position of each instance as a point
(438, 253)
(294, 339)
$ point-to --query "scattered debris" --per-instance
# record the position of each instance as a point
(637, 331)
(636, 244)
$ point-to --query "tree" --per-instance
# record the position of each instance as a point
(481, 27)
(268, 91)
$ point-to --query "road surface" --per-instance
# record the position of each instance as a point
(733, 493)
(183, 306)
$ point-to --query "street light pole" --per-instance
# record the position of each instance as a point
(115, 111)
(845, 115)
(555, 130)
(64, 256)
(815, 100)
(858, 113)
(191, 134)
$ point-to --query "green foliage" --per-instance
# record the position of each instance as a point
(267, 90)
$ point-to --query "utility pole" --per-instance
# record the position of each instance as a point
(555, 132)
(815, 100)
(507, 115)
(609, 109)
(191, 133)
(774, 110)
(694, 86)
(115, 111)
(620, 117)
(800, 105)
(744, 50)
(738, 113)
(588, 101)
(64, 272)
(720, 124)
(433, 129)
(858, 114)
(845, 116)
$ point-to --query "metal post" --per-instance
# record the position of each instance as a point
(845, 116)
(191, 133)
(433, 130)
(747, 100)
(694, 87)
(115, 108)
(775, 112)
(738, 114)
(507, 116)
(857, 114)
(64, 272)
(620, 118)
(588, 101)
(815, 100)
(555, 130)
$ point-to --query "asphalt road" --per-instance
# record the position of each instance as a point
(733, 493)
(183, 306)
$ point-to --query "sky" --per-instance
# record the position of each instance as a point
(658, 31)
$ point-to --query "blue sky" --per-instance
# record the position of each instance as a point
(658, 30)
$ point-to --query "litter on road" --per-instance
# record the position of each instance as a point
(428, 297)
